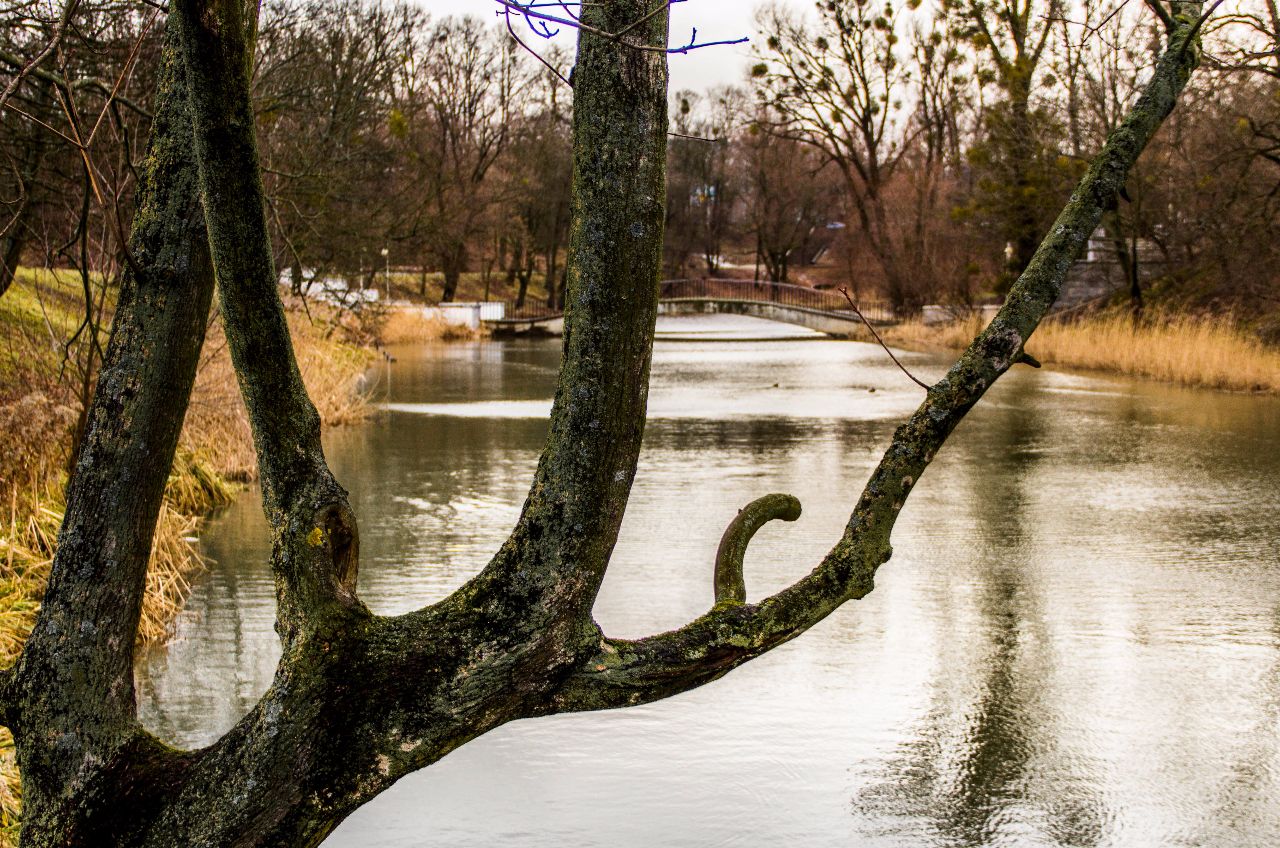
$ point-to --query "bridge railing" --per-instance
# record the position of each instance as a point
(530, 310)
(756, 291)
(783, 294)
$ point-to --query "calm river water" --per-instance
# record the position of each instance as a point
(1077, 642)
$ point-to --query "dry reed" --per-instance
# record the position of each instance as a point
(1200, 351)
(413, 326)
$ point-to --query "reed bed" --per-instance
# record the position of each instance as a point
(412, 326)
(1211, 352)
(215, 452)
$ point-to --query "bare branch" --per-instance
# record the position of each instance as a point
(58, 33)
(624, 672)
(858, 312)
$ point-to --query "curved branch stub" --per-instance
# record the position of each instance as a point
(730, 585)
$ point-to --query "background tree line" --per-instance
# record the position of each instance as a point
(919, 149)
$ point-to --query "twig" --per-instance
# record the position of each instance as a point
(858, 312)
(1195, 30)
(664, 4)
(59, 30)
(1161, 13)
(128, 65)
(697, 138)
(16, 63)
(530, 13)
(534, 53)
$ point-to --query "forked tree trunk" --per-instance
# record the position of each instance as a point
(359, 700)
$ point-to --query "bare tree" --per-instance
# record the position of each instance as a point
(323, 91)
(702, 189)
(789, 196)
(1015, 35)
(457, 101)
(841, 89)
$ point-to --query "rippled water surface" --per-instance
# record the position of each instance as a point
(1076, 643)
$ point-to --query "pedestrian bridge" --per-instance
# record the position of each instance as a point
(822, 310)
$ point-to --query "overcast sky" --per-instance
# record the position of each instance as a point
(715, 19)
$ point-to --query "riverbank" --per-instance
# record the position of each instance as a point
(1195, 351)
(38, 414)
(411, 325)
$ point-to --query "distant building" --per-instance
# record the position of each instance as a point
(1100, 271)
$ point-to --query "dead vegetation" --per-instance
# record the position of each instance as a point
(414, 326)
(1210, 352)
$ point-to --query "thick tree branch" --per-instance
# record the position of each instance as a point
(315, 552)
(625, 672)
(73, 709)
(552, 565)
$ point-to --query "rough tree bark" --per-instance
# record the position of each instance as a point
(70, 700)
(358, 700)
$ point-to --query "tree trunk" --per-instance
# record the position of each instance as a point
(1024, 213)
(1126, 253)
(1134, 273)
(453, 262)
(777, 264)
(524, 265)
(33, 153)
(10, 255)
(513, 262)
(88, 769)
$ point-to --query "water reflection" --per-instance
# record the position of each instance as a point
(1077, 642)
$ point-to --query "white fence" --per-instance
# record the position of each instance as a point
(468, 314)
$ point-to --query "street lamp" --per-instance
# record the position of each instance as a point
(386, 258)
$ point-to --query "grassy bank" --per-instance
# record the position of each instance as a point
(1200, 351)
(38, 413)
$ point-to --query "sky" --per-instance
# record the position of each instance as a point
(702, 69)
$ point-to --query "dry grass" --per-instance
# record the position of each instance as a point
(217, 435)
(216, 448)
(411, 326)
(1206, 352)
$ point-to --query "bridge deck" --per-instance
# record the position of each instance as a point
(819, 309)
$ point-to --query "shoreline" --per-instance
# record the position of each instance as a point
(214, 461)
(215, 458)
(1192, 352)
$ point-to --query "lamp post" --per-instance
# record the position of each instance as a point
(386, 258)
